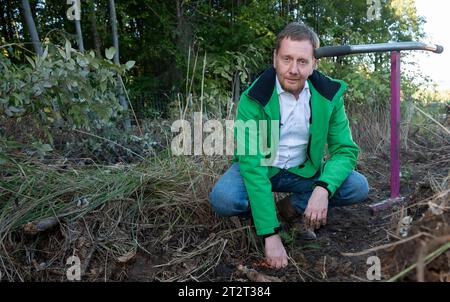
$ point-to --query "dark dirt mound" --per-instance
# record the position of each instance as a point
(354, 229)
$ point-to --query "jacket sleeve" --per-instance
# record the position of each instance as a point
(343, 151)
(255, 175)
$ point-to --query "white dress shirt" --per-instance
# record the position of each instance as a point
(294, 127)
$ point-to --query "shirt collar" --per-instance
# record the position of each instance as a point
(280, 89)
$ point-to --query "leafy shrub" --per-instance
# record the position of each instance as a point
(62, 87)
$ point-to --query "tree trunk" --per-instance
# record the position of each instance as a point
(183, 30)
(32, 27)
(38, 48)
(183, 41)
(123, 102)
(79, 35)
(95, 35)
(112, 12)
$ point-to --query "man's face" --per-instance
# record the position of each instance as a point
(294, 63)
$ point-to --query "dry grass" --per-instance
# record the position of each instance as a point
(108, 212)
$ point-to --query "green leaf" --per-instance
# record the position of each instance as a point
(82, 61)
(14, 109)
(45, 54)
(102, 87)
(62, 53)
(31, 61)
(109, 53)
(47, 84)
(130, 64)
(46, 148)
(41, 148)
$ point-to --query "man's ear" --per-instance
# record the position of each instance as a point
(314, 65)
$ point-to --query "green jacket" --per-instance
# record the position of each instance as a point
(328, 125)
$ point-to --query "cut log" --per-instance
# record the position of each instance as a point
(255, 276)
(34, 227)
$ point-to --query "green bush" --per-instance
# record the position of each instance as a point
(62, 87)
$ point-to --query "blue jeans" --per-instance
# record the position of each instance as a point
(229, 196)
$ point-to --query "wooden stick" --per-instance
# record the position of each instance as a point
(35, 227)
(255, 276)
(432, 119)
(423, 251)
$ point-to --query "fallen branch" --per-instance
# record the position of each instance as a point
(432, 119)
(34, 227)
(37, 226)
(255, 276)
(440, 195)
(127, 256)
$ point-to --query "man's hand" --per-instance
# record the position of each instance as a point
(276, 255)
(317, 209)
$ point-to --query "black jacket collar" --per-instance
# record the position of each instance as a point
(263, 88)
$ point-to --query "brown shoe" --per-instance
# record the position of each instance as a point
(305, 232)
(293, 219)
(286, 210)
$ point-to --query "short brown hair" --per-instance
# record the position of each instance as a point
(298, 32)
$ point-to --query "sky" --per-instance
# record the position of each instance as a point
(437, 29)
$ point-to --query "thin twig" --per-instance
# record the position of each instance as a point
(131, 106)
(324, 273)
(384, 246)
(108, 140)
(193, 71)
(190, 255)
(358, 278)
(188, 68)
(106, 264)
(423, 202)
(432, 119)
(299, 269)
(18, 45)
(203, 84)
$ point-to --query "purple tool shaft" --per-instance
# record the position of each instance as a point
(395, 124)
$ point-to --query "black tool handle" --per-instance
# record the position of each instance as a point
(343, 50)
